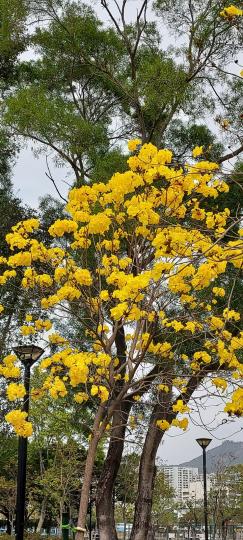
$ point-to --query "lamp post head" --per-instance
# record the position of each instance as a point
(28, 354)
(203, 442)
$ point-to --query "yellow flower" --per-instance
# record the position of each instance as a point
(57, 339)
(99, 224)
(190, 326)
(236, 405)
(67, 292)
(27, 330)
(23, 258)
(42, 325)
(80, 397)
(220, 383)
(177, 325)
(21, 426)
(83, 277)
(104, 295)
(202, 355)
(231, 11)
(219, 291)
(118, 311)
(163, 388)
(58, 388)
(197, 151)
(133, 144)
(100, 391)
(163, 424)
(62, 226)
(182, 424)
(231, 314)
(216, 323)
(180, 407)
(198, 213)
(44, 280)
(15, 391)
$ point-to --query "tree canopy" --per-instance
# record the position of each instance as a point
(143, 266)
(154, 308)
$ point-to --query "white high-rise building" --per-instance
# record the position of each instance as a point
(180, 478)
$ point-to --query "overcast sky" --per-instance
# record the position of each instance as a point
(30, 180)
(181, 446)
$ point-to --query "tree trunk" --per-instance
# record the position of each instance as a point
(9, 528)
(104, 496)
(151, 533)
(87, 478)
(163, 409)
(104, 506)
(12, 523)
(42, 515)
(224, 529)
(143, 505)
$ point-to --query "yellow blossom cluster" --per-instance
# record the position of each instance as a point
(141, 253)
(15, 391)
(180, 423)
(236, 405)
(219, 291)
(231, 12)
(197, 151)
(21, 426)
(180, 407)
(8, 368)
(81, 397)
(19, 237)
(220, 383)
(100, 391)
(164, 425)
(36, 326)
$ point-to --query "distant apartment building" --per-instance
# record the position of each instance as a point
(187, 482)
(180, 479)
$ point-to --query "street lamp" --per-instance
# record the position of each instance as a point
(28, 355)
(204, 442)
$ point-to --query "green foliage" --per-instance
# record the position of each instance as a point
(8, 468)
(226, 496)
(164, 505)
(126, 491)
(225, 501)
(93, 86)
(13, 38)
(182, 138)
(12, 210)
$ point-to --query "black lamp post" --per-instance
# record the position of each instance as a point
(28, 355)
(203, 442)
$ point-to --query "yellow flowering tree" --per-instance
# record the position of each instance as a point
(140, 263)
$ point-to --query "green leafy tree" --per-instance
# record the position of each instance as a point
(226, 499)
(8, 460)
(93, 86)
(163, 506)
(13, 40)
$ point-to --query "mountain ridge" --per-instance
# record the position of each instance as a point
(226, 454)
